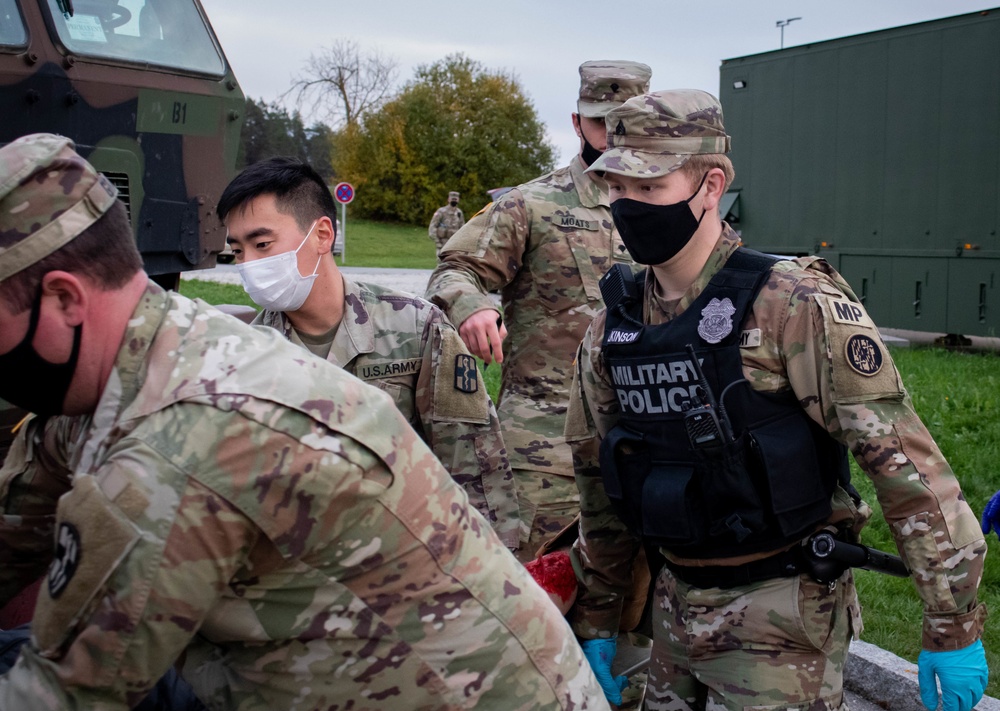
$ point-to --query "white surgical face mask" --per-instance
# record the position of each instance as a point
(274, 283)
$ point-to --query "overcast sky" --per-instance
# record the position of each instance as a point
(543, 42)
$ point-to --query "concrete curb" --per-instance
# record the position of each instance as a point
(889, 681)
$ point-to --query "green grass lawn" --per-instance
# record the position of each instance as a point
(380, 244)
(957, 395)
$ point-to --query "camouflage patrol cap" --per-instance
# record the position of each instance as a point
(48, 196)
(607, 83)
(657, 133)
(453, 195)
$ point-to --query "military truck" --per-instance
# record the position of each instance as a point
(144, 89)
(880, 153)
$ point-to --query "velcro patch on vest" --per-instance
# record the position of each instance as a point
(576, 223)
(389, 369)
(750, 338)
(92, 539)
(458, 396)
(622, 336)
(850, 313)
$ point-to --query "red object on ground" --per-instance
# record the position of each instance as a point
(554, 573)
(21, 607)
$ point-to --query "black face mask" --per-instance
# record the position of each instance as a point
(31, 382)
(654, 234)
(453, 203)
(589, 154)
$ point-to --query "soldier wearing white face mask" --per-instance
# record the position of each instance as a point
(279, 216)
(275, 283)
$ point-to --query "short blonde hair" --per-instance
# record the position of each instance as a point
(700, 163)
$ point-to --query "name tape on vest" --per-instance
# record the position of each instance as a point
(750, 339)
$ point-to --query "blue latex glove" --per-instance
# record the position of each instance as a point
(991, 515)
(963, 675)
(601, 653)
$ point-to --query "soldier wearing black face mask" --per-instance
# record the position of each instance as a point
(447, 220)
(544, 246)
(715, 400)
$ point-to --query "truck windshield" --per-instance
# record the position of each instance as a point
(166, 33)
(12, 32)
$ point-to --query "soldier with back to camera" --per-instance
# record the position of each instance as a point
(218, 501)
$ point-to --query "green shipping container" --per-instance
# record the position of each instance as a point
(881, 153)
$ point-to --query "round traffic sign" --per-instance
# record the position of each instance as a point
(344, 192)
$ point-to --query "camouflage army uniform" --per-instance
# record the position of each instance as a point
(273, 523)
(447, 221)
(795, 630)
(546, 244)
(405, 346)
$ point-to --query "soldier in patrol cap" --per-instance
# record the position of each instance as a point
(221, 501)
(544, 246)
(279, 219)
(447, 220)
(730, 474)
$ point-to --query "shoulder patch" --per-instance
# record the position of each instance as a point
(862, 369)
(863, 355)
(466, 373)
(65, 560)
(850, 313)
(458, 396)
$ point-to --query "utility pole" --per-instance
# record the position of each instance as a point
(781, 24)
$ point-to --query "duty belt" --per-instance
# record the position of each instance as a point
(780, 565)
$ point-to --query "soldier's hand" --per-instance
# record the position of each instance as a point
(483, 333)
(963, 675)
(991, 515)
(600, 653)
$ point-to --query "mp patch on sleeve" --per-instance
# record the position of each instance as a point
(862, 369)
(849, 313)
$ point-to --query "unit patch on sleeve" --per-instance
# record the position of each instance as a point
(862, 369)
(457, 394)
(466, 373)
(66, 559)
(863, 355)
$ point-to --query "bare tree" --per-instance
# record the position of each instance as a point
(343, 82)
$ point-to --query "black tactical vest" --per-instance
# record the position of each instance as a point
(675, 482)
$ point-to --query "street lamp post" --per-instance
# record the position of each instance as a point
(781, 24)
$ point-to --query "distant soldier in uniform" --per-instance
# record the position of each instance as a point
(545, 246)
(217, 500)
(741, 618)
(278, 214)
(447, 220)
